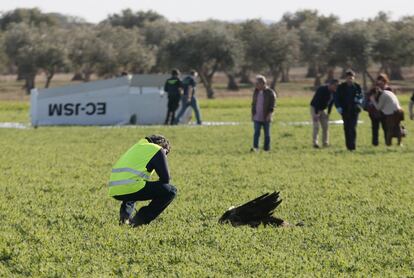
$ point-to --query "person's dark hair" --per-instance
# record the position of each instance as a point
(333, 82)
(349, 72)
(193, 72)
(160, 141)
(175, 72)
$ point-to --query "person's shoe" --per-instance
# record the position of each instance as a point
(125, 213)
(325, 145)
(254, 150)
(124, 219)
(316, 146)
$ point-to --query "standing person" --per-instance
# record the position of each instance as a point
(386, 102)
(189, 98)
(348, 99)
(173, 87)
(322, 100)
(130, 180)
(263, 105)
(375, 115)
(410, 107)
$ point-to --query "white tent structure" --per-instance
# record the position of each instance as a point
(139, 99)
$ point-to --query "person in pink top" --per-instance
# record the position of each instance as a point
(263, 105)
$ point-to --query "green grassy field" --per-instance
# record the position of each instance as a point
(56, 219)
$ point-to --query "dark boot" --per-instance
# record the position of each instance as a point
(167, 119)
(125, 212)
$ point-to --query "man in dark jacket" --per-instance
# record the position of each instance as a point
(189, 97)
(322, 100)
(348, 100)
(173, 87)
(263, 105)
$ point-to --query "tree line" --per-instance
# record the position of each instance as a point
(33, 42)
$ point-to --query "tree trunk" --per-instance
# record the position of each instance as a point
(385, 68)
(77, 77)
(207, 82)
(49, 77)
(20, 76)
(87, 76)
(364, 80)
(312, 71)
(396, 73)
(232, 84)
(275, 76)
(244, 76)
(209, 89)
(372, 79)
(317, 83)
(331, 75)
(285, 74)
(29, 82)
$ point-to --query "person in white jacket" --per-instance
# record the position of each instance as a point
(387, 102)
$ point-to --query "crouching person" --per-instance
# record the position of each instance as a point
(386, 102)
(130, 180)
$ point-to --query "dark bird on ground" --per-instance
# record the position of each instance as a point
(256, 212)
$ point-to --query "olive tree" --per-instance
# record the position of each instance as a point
(314, 32)
(51, 53)
(129, 49)
(131, 19)
(252, 34)
(32, 17)
(351, 46)
(207, 49)
(21, 48)
(90, 54)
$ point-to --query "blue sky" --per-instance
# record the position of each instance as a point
(187, 10)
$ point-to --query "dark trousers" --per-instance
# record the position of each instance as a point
(173, 102)
(393, 128)
(184, 105)
(160, 194)
(375, 125)
(257, 128)
(350, 124)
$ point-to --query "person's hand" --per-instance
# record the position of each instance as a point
(269, 117)
(188, 100)
(358, 100)
(340, 110)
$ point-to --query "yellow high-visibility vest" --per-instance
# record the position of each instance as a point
(129, 173)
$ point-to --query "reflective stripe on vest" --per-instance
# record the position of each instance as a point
(133, 171)
(129, 174)
(121, 182)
